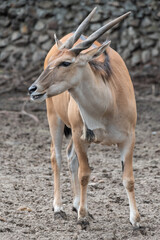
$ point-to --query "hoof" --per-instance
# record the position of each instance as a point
(60, 215)
(135, 221)
(83, 223)
(136, 225)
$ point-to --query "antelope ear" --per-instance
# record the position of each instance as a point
(58, 42)
(95, 52)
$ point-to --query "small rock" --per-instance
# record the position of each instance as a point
(34, 36)
(124, 42)
(96, 17)
(135, 22)
(135, 59)
(114, 36)
(136, 42)
(94, 185)
(40, 13)
(22, 42)
(114, 3)
(23, 208)
(23, 65)
(46, 46)
(3, 7)
(158, 14)
(146, 43)
(132, 32)
(15, 24)
(155, 52)
(4, 22)
(116, 12)
(151, 29)
(33, 47)
(154, 36)
(17, 54)
(15, 36)
(146, 22)
(154, 133)
(45, 4)
(68, 2)
(21, 14)
(134, 45)
(3, 42)
(39, 55)
(94, 179)
(4, 55)
(20, 3)
(126, 54)
(75, 236)
(6, 32)
(12, 12)
(140, 14)
(52, 24)
(124, 33)
(101, 181)
(2, 219)
(95, 26)
(146, 56)
(69, 16)
(129, 6)
(43, 38)
(39, 26)
(24, 29)
(141, 4)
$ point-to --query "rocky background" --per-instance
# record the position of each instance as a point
(27, 28)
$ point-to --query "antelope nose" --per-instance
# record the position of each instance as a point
(32, 89)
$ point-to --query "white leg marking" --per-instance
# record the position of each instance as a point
(57, 137)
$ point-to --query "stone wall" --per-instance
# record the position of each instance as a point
(27, 29)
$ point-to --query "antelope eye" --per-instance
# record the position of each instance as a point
(65, 64)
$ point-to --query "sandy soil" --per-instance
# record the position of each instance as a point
(26, 179)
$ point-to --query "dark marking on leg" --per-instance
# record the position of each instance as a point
(84, 180)
(130, 186)
(90, 135)
(122, 166)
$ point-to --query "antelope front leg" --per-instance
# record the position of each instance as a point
(56, 129)
(57, 203)
(56, 170)
(128, 181)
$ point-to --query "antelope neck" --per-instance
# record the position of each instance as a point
(93, 97)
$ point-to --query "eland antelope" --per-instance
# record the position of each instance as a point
(88, 89)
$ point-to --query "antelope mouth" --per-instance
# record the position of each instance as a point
(39, 97)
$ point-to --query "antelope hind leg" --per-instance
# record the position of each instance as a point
(128, 180)
(73, 167)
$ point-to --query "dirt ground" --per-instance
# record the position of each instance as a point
(26, 179)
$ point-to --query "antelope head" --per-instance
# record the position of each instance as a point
(66, 66)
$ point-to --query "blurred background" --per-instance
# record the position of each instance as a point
(27, 28)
